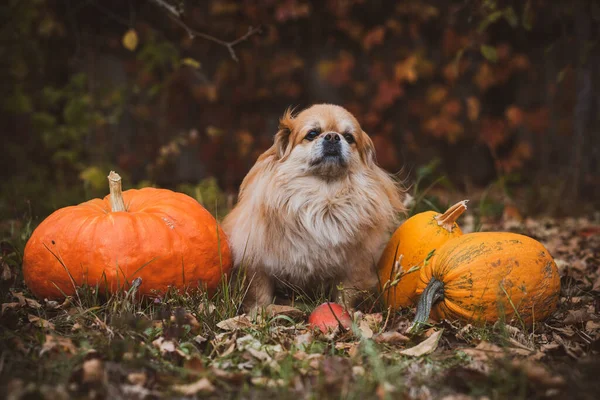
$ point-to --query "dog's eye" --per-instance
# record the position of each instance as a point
(311, 135)
(349, 138)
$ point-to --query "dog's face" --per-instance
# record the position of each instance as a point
(324, 140)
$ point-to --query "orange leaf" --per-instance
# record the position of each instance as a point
(406, 70)
(473, 108)
(374, 37)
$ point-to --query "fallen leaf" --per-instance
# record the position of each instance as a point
(10, 306)
(592, 326)
(273, 310)
(578, 316)
(93, 371)
(425, 347)
(235, 323)
(24, 301)
(203, 385)
(191, 321)
(165, 346)
(267, 382)
(40, 322)
(6, 271)
(391, 338)
(364, 329)
(137, 378)
(537, 373)
(200, 339)
(484, 351)
(303, 340)
(58, 343)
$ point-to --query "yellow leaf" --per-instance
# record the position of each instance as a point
(130, 39)
(190, 62)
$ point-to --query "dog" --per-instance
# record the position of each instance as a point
(315, 208)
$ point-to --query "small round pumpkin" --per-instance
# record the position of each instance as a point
(328, 316)
(484, 276)
(165, 238)
(409, 246)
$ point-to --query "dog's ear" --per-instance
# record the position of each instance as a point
(368, 153)
(282, 138)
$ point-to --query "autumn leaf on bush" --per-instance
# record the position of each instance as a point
(537, 121)
(514, 115)
(291, 9)
(473, 108)
(516, 159)
(130, 40)
(493, 132)
(387, 92)
(444, 127)
(374, 37)
(436, 94)
(190, 62)
(452, 108)
(452, 42)
(337, 72)
(485, 78)
(405, 71)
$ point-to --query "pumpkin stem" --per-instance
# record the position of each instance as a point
(116, 195)
(431, 295)
(448, 219)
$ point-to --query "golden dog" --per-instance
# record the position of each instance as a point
(315, 208)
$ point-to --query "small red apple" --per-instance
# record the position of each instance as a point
(323, 318)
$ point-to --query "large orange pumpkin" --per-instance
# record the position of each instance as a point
(482, 277)
(163, 237)
(409, 246)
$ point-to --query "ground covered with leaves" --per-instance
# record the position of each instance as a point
(196, 346)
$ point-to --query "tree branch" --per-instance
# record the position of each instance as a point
(168, 7)
(175, 15)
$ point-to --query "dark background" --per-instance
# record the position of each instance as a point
(466, 95)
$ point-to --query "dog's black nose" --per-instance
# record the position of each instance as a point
(332, 137)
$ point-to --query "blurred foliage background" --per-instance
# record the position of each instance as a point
(466, 94)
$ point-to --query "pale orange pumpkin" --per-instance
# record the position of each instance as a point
(165, 238)
(408, 248)
(485, 276)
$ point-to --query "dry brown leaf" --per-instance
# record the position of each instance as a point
(165, 346)
(40, 322)
(24, 301)
(391, 338)
(427, 346)
(10, 306)
(303, 340)
(267, 382)
(273, 310)
(202, 385)
(537, 373)
(137, 378)
(364, 329)
(58, 343)
(6, 270)
(484, 351)
(235, 323)
(93, 371)
(592, 326)
(578, 316)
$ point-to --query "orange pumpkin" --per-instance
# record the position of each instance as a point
(163, 237)
(482, 277)
(409, 246)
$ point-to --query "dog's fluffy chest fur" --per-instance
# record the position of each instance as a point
(306, 228)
